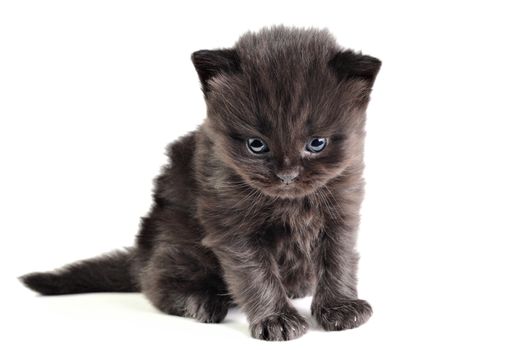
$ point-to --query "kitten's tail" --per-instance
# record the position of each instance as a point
(112, 272)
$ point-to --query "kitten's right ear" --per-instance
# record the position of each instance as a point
(210, 63)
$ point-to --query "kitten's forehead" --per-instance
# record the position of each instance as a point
(253, 104)
(286, 71)
(284, 63)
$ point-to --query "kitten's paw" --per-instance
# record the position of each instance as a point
(284, 326)
(336, 317)
(212, 309)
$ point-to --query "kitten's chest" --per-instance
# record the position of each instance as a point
(294, 229)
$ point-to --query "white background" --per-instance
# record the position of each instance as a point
(92, 91)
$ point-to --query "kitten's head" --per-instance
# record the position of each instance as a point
(286, 108)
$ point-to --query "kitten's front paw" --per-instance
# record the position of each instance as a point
(347, 315)
(284, 326)
(211, 309)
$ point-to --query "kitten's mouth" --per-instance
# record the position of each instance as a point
(286, 189)
(295, 189)
(291, 190)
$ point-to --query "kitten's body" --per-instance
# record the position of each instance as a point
(224, 229)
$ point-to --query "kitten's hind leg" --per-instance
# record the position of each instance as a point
(177, 285)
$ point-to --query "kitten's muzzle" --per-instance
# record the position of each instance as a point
(287, 177)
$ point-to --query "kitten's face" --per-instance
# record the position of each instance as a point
(285, 127)
(283, 148)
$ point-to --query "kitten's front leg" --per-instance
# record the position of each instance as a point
(252, 277)
(335, 304)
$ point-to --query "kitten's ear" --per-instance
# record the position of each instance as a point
(209, 63)
(351, 65)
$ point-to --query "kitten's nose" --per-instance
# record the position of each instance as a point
(288, 176)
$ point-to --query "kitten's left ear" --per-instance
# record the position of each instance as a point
(210, 63)
(351, 65)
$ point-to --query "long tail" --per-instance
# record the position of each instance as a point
(112, 272)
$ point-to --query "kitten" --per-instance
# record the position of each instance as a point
(261, 203)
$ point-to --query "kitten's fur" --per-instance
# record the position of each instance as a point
(224, 229)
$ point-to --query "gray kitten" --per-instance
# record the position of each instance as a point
(261, 203)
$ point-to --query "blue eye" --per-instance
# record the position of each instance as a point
(316, 145)
(257, 146)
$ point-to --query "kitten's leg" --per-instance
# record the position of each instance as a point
(335, 304)
(178, 285)
(252, 277)
(297, 277)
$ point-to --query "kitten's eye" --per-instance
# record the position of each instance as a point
(316, 145)
(257, 146)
